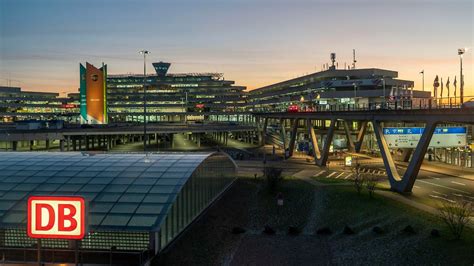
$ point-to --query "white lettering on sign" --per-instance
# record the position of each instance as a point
(56, 217)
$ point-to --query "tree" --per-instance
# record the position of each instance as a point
(456, 215)
(273, 177)
(358, 178)
(370, 184)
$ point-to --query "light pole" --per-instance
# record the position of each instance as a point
(461, 51)
(145, 137)
(423, 79)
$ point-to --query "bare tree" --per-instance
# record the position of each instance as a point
(370, 184)
(456, 215)
(358, 178)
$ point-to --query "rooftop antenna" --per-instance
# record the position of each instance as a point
(333, 61)
(354, 61)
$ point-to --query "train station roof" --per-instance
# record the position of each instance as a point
(132, 192)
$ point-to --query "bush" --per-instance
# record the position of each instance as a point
(456, 215)
(324, 231)
(273, 177)
(370, 184)
(358, 178)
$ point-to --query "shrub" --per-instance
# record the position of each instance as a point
(370, 184)
(456, 215)
(358, 178)
(273, 177)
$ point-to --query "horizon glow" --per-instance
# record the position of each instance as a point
(255, 43)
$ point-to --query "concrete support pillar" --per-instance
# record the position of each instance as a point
(294, 130)
(74, 147)
(360, 136)
(172, 141)
(46, 144)
(61, 145)
(404, 184)
(263, 133)
(321, 156)
(32, 143)
(86, 145)
(14, 145)
(350, 142)
(198, 140)
(283, 133)
(68, 143)
(109, 143)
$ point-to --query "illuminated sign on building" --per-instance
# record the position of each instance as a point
(408, 137)
(56, 217)
(93, 84)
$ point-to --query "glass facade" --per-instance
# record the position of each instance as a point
(135, 201)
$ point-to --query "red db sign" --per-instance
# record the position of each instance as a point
(56, 217)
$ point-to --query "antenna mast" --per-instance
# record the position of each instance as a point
(354, 61)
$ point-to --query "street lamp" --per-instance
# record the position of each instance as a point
(423, 79)
(461, 51)
(145, 137)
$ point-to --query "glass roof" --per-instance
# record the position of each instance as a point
(123, 191)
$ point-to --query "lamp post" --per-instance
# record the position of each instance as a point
(461, 51)
(423, 79)
(145, 137)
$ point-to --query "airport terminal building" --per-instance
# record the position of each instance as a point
(172, 97)
(338, 89)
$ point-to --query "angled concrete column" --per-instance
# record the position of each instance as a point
(350, 142)
(360, 136)
(321, 156)
(294, 130)
(283, 133)
(404, 184)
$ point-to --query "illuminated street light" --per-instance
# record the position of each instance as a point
(145, 137)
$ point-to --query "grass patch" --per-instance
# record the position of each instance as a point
(343, 206)
(298, 198)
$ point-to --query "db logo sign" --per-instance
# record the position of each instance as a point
(56, 217)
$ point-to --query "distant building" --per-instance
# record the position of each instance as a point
(16, 104)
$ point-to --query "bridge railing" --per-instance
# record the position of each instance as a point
(425, 104)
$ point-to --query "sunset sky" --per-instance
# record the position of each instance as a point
(254, 42)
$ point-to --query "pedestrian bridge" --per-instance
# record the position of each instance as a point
(398, 182)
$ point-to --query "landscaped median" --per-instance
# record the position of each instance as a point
(329, 224)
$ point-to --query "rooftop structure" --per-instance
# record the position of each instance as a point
(335, 87)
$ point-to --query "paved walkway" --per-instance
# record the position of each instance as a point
(436, 167)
